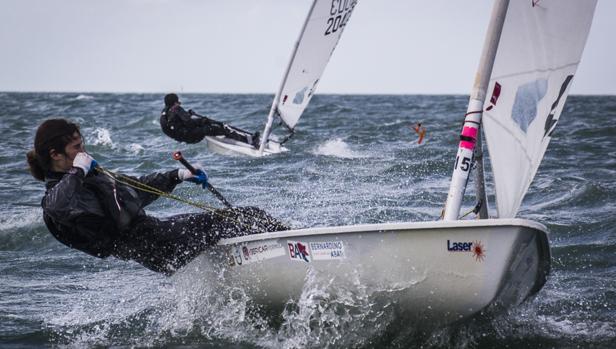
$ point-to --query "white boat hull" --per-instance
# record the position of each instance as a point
(439, 271)
(227, 146)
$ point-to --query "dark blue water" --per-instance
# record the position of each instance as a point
(353, 160)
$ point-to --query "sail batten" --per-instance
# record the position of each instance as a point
(540, 49)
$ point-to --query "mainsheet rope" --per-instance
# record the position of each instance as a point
(133, 183)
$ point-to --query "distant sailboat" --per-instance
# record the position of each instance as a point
(317, 41)
(447, 270)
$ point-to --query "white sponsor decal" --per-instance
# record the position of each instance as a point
(327, 250)
(252, 252)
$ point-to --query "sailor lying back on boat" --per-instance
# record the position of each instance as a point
(102, 213)
(189, 127)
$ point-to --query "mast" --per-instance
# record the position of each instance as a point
(472, 121)
(270, 117)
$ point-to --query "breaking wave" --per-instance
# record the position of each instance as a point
(337, 148)
(102, 136)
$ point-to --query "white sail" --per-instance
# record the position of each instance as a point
(540, 47)
(318, 38)
(320, 34)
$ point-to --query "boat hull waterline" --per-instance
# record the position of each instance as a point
(227, 146)
(440, 271)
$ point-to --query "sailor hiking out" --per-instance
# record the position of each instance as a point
(189, 127)
(102, 213)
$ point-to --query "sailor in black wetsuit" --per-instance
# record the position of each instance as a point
(89, 211)
(186, 126)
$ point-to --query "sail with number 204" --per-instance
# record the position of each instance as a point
(322, 30)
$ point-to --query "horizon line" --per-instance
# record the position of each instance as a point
(270, 93)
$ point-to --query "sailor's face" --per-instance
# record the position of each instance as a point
(64, 162)
(74, 147)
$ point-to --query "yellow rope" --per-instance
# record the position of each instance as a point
(133, 183)
(467, 213)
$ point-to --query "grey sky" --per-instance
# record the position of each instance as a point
(242, 46)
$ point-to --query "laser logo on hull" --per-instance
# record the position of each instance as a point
(474, 247)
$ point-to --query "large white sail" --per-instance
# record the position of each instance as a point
(540, 47)
(320, 34)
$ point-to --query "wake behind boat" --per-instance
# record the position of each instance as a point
(448, 270)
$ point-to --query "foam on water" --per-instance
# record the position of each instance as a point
(84, 97)
(20, 219)
(135, 148)
(337, 148)
(329, 313)
(102, 136)
(115, 299)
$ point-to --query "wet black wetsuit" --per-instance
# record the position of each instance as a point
(102, 217)
(178, 124)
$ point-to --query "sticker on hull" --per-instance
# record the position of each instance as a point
(327, 250)
(298, 251)
(314, 251)
(252, 252)
(476, 248)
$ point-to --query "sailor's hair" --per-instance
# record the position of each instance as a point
(171, 99)
(52, 134)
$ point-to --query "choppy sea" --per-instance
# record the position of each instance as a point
(353, 159)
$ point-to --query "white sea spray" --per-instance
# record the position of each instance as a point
(338, 148)
(102, 136)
